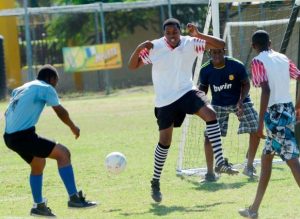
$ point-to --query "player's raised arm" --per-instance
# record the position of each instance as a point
(135, 60)
(211, 41)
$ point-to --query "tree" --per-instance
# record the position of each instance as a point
(80, 28)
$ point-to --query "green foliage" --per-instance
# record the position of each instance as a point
(80, 28)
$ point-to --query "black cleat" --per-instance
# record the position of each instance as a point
(41, 209)
(209, 177)
(156, 194)
(78, 201)
(226, 167)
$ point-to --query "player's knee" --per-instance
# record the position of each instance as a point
(207, 113)
(67, 154)
(64, 154)
(210, 115)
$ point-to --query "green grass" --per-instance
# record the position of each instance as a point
(125, 122)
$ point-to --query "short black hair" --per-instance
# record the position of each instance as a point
(261, 38)
(171, 21)
(46, 72)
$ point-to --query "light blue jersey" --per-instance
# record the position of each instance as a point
(27, 103)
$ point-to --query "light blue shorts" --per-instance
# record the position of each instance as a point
(280, 123)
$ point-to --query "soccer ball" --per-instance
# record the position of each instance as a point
(115, 162)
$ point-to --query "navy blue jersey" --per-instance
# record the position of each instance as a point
(225, 83)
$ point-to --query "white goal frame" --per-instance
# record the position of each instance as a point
(229, 25)
(215, 12)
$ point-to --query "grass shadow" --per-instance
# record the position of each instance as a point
(215, 186)
(163, 210)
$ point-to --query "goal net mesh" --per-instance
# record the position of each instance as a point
(237, 23)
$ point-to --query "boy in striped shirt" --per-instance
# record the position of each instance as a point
(272, 72)
(172, 58)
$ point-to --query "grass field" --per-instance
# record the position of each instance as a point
(124, 122)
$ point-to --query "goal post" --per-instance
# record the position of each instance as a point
(259, 24)
(195, 80)
(216, 12)
(236, 20)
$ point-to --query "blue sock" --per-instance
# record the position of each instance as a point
(67, 175)
(36, 182)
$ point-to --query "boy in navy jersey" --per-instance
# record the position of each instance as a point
(172, 58)
(229, 85)
(272, 72)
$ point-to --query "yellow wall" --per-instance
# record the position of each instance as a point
(9, 31)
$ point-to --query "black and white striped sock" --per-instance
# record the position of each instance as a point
(214, 136)
(160, 156)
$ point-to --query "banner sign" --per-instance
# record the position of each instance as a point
(91, 58)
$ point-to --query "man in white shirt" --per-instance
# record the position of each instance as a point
(272, 72)
(172, 58)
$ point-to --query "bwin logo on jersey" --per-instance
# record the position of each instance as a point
(222, 87)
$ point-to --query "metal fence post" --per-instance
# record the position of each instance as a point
(3, 87)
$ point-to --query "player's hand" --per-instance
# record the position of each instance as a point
(145, 45)
(192, 29)
(240, 110)
(76, 131)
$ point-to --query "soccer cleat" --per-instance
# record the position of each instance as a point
(210, 177)
(226, 167)
(156, 194)
(246, 212)
(78, 201)
(250, 171)
(41, 210)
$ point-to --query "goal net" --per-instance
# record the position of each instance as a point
(238, 20)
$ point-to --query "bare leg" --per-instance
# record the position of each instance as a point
(266, 170)
(62, 155)
(253, 145)
(37, 165)
(295, 168)
(207, 113)
(214, 136)
(36, 178)
(165, 136)
(161, 151)
(209, 156)
(160, 156)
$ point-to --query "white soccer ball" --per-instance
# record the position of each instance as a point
(115, 162)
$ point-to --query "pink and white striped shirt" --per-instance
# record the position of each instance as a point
(276, 69)
(259, 73)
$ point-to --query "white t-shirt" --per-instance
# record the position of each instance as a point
(172, 67)
(276, 69)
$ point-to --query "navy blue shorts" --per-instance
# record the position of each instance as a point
(28, 144)
(174, 113)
